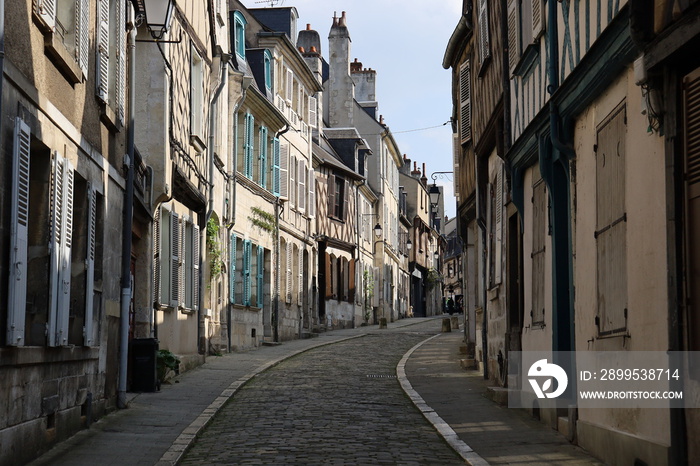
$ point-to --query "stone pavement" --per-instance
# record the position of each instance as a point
(158, 427)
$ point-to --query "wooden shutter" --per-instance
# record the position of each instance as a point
(247, 251)
(174, 260)
(284, 163)
(82, 34)
(537, 19)
(345, 200)
(351, 281)
(288, 291)
(248, 145)
(539, 228)
(195, 266)
(276, 167)
(289, 90)
(263, 157)
(102, 68)
(301, 182)
(61, 242)
(17, 289)
(292, 181)
(484, 40)
(313, 112)
(46, 10)
(499, 225)
(329, 277)
(90, 266)
(331, 194)
(376, 290)
(691, 146)
(261, 275)
(312, 193)
(513, 34)
(157, 254)
(120, 50)
(232, 269)
(300, 281)
(465, 102)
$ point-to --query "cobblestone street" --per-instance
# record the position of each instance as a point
(338, 404)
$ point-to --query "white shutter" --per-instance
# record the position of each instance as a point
(183, 263)
(174, 260)
(465, 101)
(90, 266)
(313, 112)
(292, 183)
(284, 164)
(537, 19)
(102, 68)
(376, 290)
(290, 85)
(157, 255)
(312, 193)
(300, 282)
(513, 34)
(17, 289)
(82, 34)
(288, 291)
(47, 11)
(195, 267)
(484, 40)
(61, 239)
(301, 181)
(120, 49)
(456, 154)
(499, 225)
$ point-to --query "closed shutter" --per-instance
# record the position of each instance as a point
(537, 19)
(351, 281)
(345, 200)
(17, 289)
(248, 146)
(484, 40)
(331, 195)
(539, 228)
(263, 157)
(195, 267)
(292, 183)
(232, 269)
(90, 266)
(284, 163)
(261, 276)
(247, 251)
(376, 290)
(513, 34)
(456, 152)
(102, 67)
(289, 90)
(465, 102)
(301, 285)
(47, 12)
(61, 242)
(288, 291)
(329, 276)
(312, 193)
(301, 181)
(174, 260)
(499, 225)
(313, 112)
(276, 167)
(691, 146)
(121, 62)
(82, 36)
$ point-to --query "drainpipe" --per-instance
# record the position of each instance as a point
(127, 220)
(278, 214)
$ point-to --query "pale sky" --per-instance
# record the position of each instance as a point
(405, 42)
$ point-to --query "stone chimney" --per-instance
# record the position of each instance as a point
(340, 86)
(310, 41)
(424, 179)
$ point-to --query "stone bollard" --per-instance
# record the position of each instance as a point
(382, 322)
(454, 321)
(446, 325)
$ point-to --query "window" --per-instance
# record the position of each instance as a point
(268, 70)
(196, 100)
(539, 234)
(66, 25)
(283, 150)
(263, 157)
(611, 223)
(484, 39)
(248, 143)
(312, 193)
(246, 272)
(525, 26)
(62, 251)
(302, 176)
(337, 197)
(276, 166)
(111, 58)
(292, 183)
(313, 112)
(496, 227)
(239, 23)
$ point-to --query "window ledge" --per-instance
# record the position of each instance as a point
(109, 118)
(63, 60)
(527, 59)
(29, 355)
(197, 143)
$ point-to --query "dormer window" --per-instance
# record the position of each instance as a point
(268, 70)
(239, 23)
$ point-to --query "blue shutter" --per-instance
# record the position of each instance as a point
(261, 273)
(232, 270)
(263, 157)
(246, 272)
(276, 167)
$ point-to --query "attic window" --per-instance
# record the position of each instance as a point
(239, 23)
(268, 70)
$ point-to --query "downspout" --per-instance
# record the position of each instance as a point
(278, 214)
(201, 330)
(127, 220)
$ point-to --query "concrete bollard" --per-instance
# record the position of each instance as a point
(454, 321)
(382, 322)
(446, 325)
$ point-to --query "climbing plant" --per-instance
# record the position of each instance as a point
(216, 264)
(263, 220)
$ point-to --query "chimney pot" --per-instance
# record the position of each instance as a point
(313, 49)
(308, 26)
(342, 22)
(301, 49)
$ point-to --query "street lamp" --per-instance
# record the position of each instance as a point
(434, 194)
(377, 230)
(157, 14)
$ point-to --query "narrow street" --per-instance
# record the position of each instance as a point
(339, 404)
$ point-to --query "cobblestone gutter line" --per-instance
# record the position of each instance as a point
(183, 442)
(465, 451)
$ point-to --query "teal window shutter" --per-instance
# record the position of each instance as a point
(247, 247)
(232, 270)
(263, 157)
(276, 167)
(261, 273)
